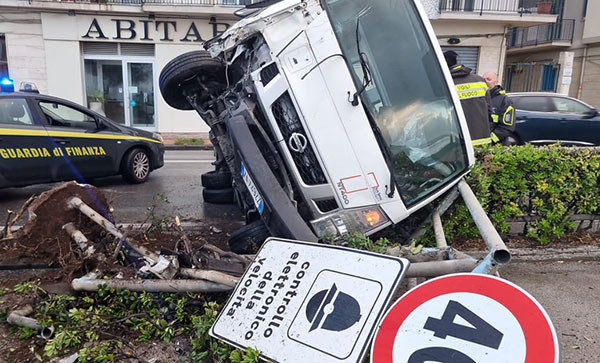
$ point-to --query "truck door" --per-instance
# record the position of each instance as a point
(85, 153)
(25, 153)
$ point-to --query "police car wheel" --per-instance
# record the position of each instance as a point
(136, 166)
(182, 70)
(249, 238)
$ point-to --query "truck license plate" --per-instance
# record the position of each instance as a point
(258, 201)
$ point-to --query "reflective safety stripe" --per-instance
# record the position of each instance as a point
(495, 137)
(81, 135)
(502, 92)
(483, 141)
(471, 90)
(495, 118)
(471, 94)
(509, 116)
(471, 86)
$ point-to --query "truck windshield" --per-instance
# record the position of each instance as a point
(405, 92)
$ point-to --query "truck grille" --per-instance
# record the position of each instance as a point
(268, 73)
(302, 152)
(326, 205)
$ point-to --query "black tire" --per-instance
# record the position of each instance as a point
(218, 196)
(135, 166)
(183, 68)
(249, 238)
(216, 179)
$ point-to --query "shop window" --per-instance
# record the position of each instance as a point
(3, 57)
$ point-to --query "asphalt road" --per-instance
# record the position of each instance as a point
(178, 180)
(569, 291)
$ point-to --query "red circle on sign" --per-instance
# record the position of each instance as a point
(540, 337)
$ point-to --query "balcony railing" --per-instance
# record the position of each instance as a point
(561, 31)
(501, 6)
(156, 2)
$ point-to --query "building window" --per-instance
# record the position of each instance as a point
(3, 58)
(119, 82)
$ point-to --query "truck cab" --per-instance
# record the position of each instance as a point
(332, 116)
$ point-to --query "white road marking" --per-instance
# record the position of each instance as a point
(182, 161)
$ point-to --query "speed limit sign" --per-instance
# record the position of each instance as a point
(466, 318)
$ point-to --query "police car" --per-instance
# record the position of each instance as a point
(48, 139)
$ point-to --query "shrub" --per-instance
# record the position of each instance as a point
(545, 184)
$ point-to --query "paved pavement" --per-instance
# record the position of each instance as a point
(178, 181)
(569, 291)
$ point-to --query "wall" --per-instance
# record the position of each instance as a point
(171, 120)
(488, 37)
(591, 31)
(62, 35)
(24, 47)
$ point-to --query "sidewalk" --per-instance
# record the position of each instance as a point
(170, 144)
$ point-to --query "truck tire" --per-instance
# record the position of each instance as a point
(135, 166)
(218, 196)
(249, 238)
(185, 67)
(216, 179)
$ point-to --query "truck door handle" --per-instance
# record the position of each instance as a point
(62, 141)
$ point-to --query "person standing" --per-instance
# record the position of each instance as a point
(472, 91)
(502, 112)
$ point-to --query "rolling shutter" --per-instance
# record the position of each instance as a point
(467, 56)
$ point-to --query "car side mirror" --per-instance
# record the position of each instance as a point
(592, 113)
(101, 125)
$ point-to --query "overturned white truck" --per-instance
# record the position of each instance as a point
(327, 116)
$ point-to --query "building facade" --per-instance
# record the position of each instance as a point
(477, 29)
(108, 54)
(563, 57)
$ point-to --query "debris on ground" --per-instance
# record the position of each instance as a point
(76, 284)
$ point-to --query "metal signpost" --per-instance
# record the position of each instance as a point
(306, 302)
(466, 318)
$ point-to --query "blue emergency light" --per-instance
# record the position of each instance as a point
(7, 85)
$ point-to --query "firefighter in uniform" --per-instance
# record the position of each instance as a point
(472, 91)
(502, 112)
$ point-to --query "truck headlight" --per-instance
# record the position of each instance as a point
(361, 220)
(156, 135)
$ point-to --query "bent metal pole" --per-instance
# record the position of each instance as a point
(76, 203)
(493, 241)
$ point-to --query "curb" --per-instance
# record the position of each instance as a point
(547, 254)
(189, 147)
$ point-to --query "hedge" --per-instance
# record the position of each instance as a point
(550, 184)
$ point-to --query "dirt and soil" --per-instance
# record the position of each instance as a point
(43, 244)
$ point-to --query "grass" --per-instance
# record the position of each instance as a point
(192, 141)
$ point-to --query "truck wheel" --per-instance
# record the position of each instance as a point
(185, 67)
(218, 196)
(249, 238)
(216, 179)
(135, 166)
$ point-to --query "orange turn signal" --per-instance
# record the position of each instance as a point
(373, 217)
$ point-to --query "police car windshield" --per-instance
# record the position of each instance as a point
(407, 96)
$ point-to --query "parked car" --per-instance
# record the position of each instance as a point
(547, 118)
(48, 139)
